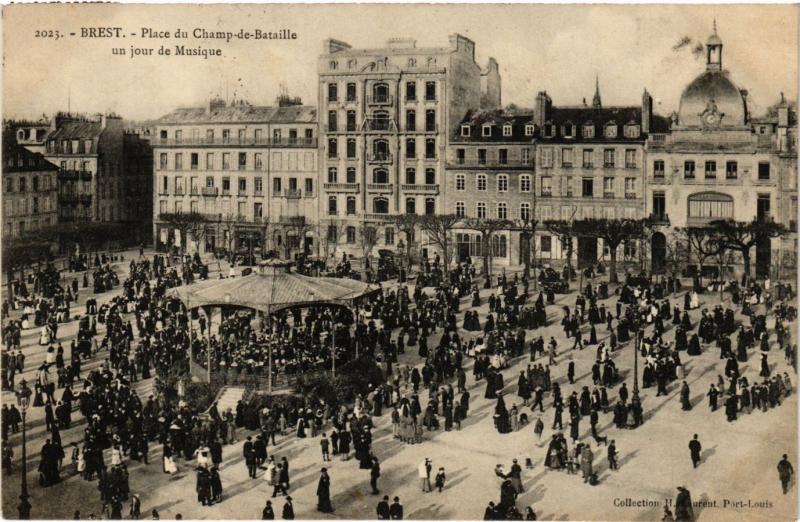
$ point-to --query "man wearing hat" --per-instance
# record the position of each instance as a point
(324, 492)
(382, 510)
(267, 513)
(396, 509)
(683, 506)
(424, 473)
(288, 509)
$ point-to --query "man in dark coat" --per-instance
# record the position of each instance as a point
(324, 492)
(374, 473)
(382, 511)
(288, 509)
(267, 513)
(683, 506)
(249, 457)
(785, 472)
(396, 509)
(694, 449)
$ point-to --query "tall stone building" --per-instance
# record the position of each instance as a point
(250, 170)
(385, 115)
(718, 162)
(30, 189)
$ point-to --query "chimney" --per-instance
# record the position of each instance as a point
(103, 121)
(216, 104)
(783, 113)
(541, 112)
(746, 111)
(647, 112)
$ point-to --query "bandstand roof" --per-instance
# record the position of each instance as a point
(270, 288)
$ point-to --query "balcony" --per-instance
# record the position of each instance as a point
(608, 195)
(379, 217)
(292, 193)
(547, 194)
(423, 189)
(491, 163)
(250, 141)
(210, 192)
(659, 218)
(379, 157)
(297, 221)
(381, 99)
(379, 124)
(380, 187)
(74, 199)
(341, 187)
(631, 195)
(179, 191)
(74, 175)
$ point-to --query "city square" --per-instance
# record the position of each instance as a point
(452, 286)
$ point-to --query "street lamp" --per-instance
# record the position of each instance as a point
(23, 394)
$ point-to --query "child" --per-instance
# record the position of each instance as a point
(440, 478)
(324, 445)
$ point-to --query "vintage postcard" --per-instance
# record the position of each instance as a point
(422, 261)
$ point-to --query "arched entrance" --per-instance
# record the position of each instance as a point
(658, 253)
(763, 256)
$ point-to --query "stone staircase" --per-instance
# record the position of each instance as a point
(228, 397)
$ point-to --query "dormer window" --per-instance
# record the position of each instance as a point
(333, 65)
(412, 62)
(611, 130)
(588, 130)
(507, 130)
(466, 131)
(486, 131)
(631, 130)
(529, 130)
(568, 130)
(549, 130)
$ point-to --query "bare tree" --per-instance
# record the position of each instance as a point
(613, 232)
(702, 245)
(332, 235)
(742, 236)
(487, 228)
(407, 224)
(439, 228)
(368, 237)
(563, 229)
(298, 226)
(184, 223)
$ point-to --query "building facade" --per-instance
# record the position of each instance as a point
(489, 174)
(385, 115)
(717, 162)
(251, 171)
(30, 189)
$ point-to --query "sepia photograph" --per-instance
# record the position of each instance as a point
(399, 261)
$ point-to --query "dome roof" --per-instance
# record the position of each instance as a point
(712, 92)
(714, 40)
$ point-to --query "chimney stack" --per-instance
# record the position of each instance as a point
(647, 112)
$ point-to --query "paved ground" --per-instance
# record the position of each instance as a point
(739, 459)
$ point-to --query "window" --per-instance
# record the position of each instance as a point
(380, 176)
(611, 130)
(480, 210)
(659, 205)
(502, 183)
(332, 123)
(529, 130)
(763, 170)
(351, 235)
(276, 186)
(226, 161)
(332, 91)
(350, 123)
(430, 91)
(430, 206)
(461, 209)
(486, 131)
(411, 91)
(430, 120)
(499, 247)
(566, 157)
(547, 157)
(609, 158)
(242, 186)
(502, 156)
(332, 205)
(632, 131)
(430, 176)
(588, 131)
(162, 161)
(546, 244)
(525, 211)
(461, 182)
(547, 186)
(411, 176)
(209, 182)
(525, 183)
(388, 236)
(333, 65)
(711, 169)
(332, 174)
(460, 156)
(411, 205)
(526, 156)
(333, 148)
(333, 233)
(507, 129)
(763, 207)
(351, 175)
(242, 160)
(258, 185)
(502, 210)
(568, 130)
(588, 158)
(480, 182)
(411, 120)
(630, 188)
(380, 205)
(688, 169)
(658, 168)
(226, 184)
(608, 187)
(351, 92)
(351, 205)
(309, 187)
(710, 205)
(226, 135)
(549, 130)
(411, 148)
(629, 249)
(430, 148)
(731, 170)
(481, 156)
(630, 158)
(179, 161)
(466, 131)
(351, 149)
(587, 188)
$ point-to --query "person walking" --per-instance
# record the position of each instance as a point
(424, 473)
(374, 473)
(324, 492)
(785, 473)
(612, 455)
(694, 449)
(324, 446)
(586, 463)
(249, 454)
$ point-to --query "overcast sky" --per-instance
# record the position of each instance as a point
(546, 47)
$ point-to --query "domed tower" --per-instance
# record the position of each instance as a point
(712, 100)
